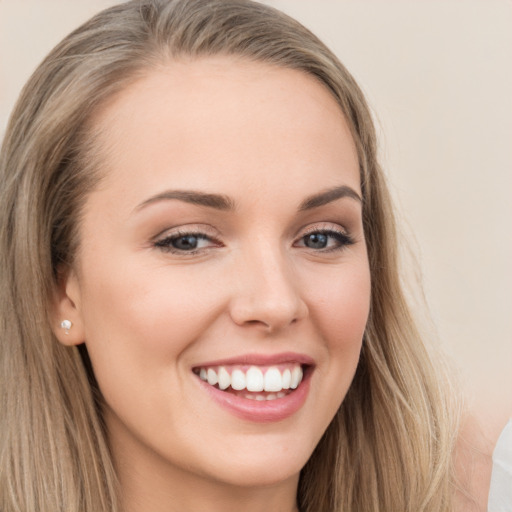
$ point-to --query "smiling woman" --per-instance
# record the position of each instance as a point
(201, 307)
(185, 282)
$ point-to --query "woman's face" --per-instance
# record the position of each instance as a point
(224, 243)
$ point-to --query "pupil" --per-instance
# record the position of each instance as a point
(185, 242)
(316, 241)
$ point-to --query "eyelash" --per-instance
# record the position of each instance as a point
(165, 244)
(343, 240)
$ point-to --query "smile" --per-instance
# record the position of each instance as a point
(254, 382)
(258, 388)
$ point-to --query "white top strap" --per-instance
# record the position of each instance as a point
(500, 494)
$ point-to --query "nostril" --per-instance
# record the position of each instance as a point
(268, 315)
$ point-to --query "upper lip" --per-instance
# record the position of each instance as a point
(261, 360)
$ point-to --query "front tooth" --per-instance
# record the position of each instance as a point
(254, 379)
(287, 379)
(224, 378)
(212, 377)
(238, 380)
(296, 377)
(273, 380)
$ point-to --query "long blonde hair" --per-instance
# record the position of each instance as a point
(388, 448)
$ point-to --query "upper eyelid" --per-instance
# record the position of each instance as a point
(206, 232)
(329, 227)
(214, 233)
(322, 226)
(178, 231)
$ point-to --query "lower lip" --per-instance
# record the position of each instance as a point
(264, 411)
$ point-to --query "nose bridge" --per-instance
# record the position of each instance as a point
(266, 293)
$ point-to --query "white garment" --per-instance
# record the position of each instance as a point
(500, 494)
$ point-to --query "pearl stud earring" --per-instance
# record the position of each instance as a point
(66, 324)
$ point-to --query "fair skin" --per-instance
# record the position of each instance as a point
(273, 274)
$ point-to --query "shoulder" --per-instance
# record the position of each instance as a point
(473, 463)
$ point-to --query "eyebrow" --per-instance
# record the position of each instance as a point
(217, 201)
(328, 196)
(225, 203)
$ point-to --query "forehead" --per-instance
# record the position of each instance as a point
(225, 122)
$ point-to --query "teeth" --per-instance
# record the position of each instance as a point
(224, 378)
(296, 377)
(261, 398)
(254, 379)
(273, 380)
(212, 377)
(287, 378)
(238, 380)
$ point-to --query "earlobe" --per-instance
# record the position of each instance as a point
(67, 322)
(66, 325)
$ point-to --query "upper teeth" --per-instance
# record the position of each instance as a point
(254, 378)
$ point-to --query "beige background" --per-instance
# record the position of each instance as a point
(438, 75)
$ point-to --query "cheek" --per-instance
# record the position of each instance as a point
(140, 323)
(137, 318)
(341, 306)
(339, 311)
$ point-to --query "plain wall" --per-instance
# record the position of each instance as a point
(438, 77)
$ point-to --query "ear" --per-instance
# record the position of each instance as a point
(66, 306)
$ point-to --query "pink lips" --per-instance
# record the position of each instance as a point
(262, 360)
(265, 410)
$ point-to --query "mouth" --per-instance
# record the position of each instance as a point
(258, 388)
(254, 382)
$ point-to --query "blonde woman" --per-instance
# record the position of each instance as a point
(200, 306)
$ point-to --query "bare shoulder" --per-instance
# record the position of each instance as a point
(473, 463)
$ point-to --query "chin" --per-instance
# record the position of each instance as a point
(262, 473)
(266, 463)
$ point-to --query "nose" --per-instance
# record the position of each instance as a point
(267, 293)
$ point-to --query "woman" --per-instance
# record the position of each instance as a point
(201, 306)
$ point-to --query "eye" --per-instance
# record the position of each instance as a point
(181, 243)
(325, 240)
(316, 240)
